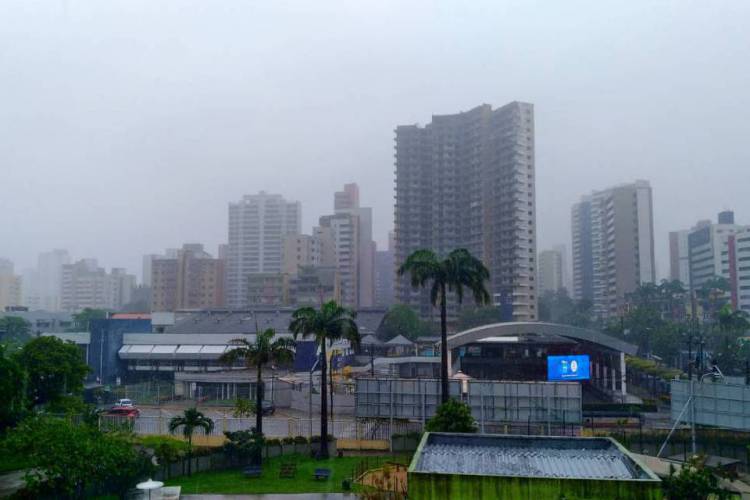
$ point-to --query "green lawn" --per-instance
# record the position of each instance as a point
(234, 482)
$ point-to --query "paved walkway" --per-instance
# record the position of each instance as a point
(11, 482)
(274, 496)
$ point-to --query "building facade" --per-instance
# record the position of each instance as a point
(86, 285)
(550, 264)
(613, 245)
(193, 279)
(10, 285)
(385, 272)
(300, 250)
(468, 181)
(258, 225)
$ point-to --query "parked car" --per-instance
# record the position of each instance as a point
(124, 411)
(125, 403)
(267, 407)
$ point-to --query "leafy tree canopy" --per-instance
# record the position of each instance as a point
(55, 368)
(82, 319)
(478, 316)
(14, 332)
(559, 307)
(71, 458)
(13, 402)
(402, 320)
(693, 482)
(452, 416)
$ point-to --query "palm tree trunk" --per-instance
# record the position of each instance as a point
(190, 454)
(323, 452)
(444, 393)
(259, 401)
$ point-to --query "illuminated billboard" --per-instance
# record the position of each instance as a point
(568, 367)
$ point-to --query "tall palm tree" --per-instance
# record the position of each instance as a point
(331, 322)
(259, 353)
(458, 270)
(190, 421)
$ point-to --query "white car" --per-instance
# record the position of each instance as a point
(125, 403)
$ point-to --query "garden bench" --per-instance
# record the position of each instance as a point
(288, 469)
(322, 473)
(253, 471)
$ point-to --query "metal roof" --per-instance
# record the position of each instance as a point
(521, 328)
(527, 456)
(244, 322)
(400, 340)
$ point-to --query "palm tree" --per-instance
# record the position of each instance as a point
(331, 322)
(261, 352)
(190, 421)
(458, 270)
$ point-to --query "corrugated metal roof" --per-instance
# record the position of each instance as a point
(526, 456)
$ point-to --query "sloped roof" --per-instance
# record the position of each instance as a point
(370, 339)
(400, 340)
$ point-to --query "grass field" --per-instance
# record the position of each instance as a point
(234, 482)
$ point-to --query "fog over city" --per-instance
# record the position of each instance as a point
(127, 127)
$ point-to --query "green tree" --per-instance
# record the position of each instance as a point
(258, 354)
(13, 401)
(402, 320)
(55, 368)
(458, 270)
(693, 482)
(14, 331)
(559, 307)
(82, 320)
(243, 408)
(190, 421)
(478, 316)
(713, 295)
(332, 322)
(452, 416)
(69, 459)
(244, 445)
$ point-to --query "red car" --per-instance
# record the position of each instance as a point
(123, 411)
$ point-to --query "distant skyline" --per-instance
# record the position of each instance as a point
(129, 128)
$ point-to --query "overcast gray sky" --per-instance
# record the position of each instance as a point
(126, 127)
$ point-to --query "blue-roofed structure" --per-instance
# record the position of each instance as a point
(305, 354)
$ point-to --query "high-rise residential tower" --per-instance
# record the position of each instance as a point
(85, 284)
(385, 272)
(10, 285)
(613, 245)
(258, 225)
(550, 264)
(193, 279)
(467, 181)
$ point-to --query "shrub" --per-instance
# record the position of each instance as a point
(300, 440)
(273, 442)
(288, 440)
(452, 416)
(316, 439)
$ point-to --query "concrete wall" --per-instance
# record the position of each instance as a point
(719, 405)
(470, 487)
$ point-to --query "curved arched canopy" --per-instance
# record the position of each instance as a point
(536, 328)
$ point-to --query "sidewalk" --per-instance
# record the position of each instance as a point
(11, 482)
(272, 496)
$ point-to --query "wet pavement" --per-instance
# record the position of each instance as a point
(276, 496)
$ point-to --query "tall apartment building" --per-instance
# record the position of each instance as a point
(193, 279)
(613, 245)
(300, 250)
(467, 181)
(345, 240)
(551, 265)
(41, 286)
(84, 284)
(147, 267)
(339, 237)
(738, 268)
(10, 285)
(679, 258)
(714, 249)
(385, 272)
(258, 225)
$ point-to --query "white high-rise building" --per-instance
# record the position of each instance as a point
(258, 225)
(613, 245)
(86, 285)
